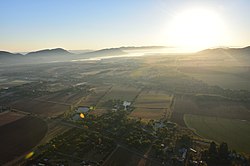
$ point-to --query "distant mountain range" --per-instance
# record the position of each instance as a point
(53, 55)
(143, 47)
(5, 54)
(59, 54)
(49, 52)
(223, 56)
(245, 51)
(61, 51)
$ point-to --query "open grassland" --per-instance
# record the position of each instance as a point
(206, 105)
(225, 77)
(20, 136)
(234, 132)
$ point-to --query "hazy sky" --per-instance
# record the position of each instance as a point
(93, 24)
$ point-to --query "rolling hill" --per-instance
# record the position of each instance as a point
(5, 54)
(50, 52)
(239, 55)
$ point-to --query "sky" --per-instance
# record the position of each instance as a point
(30, 25)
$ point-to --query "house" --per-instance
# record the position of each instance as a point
(126, 104)
(158, 124)
(183, 153)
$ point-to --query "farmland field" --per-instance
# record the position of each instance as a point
(98, 111)
(173, 101)
(115, 92)
(151, 105)
(20, 136)
(96, 96)
(121, 92)
(226, 77)
(152, 99)
(206, 105)
(148, 114)
(8, 117)
(43, 108)
(67, 98)
(234, 132)
(11, 83)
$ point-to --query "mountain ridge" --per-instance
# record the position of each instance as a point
(6, 54)
(60, 54)
(245, 50)
(49, 52)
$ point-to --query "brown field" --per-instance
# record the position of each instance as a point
(40, 107)
(96, 96)
(205, 105)
(152, 99)
(67, 98)
(20, 136)
(151, 105)
(8, 117)
(148, 114)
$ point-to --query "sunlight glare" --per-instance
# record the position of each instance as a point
(196, 29)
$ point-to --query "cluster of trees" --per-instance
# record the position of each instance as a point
(218, 156)
(74, 144)
(222, 156)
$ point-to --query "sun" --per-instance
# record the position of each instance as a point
(196, 28)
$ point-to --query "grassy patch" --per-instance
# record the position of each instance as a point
(234, 132)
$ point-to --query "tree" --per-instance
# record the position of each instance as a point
(212, 154)
(186, 141)
(212, 151)
(223, 150)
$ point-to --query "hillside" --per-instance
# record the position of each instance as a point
(226, 56)
(232, 56)
(49, 52)
(5, 54)
(104, 52)
(245, 51)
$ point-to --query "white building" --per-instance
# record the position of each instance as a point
(126, 103)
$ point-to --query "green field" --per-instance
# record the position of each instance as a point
(122, 93)
(234, 132)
